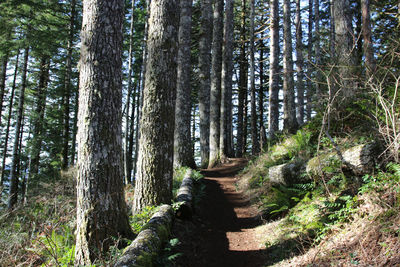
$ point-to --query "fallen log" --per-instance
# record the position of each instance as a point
(287, 174)
(149, 241)
(184, 197)
(361, 159)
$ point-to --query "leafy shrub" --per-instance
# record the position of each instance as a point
(137, 221)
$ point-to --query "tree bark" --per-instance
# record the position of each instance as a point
(206, 28)
(254, 129)
(242, 83)
(10, 107)
(101, 208)
(75, 125)
(139, 100)
(67, 88)
(129, 120)
(183, 153)
(310, 67)
(13, 195)
(367, 37)
(299, 65)
(215, 93)
(344, 49)
(225, 145)
(262, 136)
(273, 115)
(332, 28)
(149, 242)
(318, 80)
(3, 78)
(38, 117)
(289, 108)
(155, 162)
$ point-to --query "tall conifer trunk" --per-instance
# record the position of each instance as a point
(215, 93)
(344, 49)
(310, 67)
(101, 208)
(261, 93)
(37, 124)
(155, 163)
(299, 65)
(3, 78)
(367, 37)
(68, 88)
(206, 28)
(10, 107)
(129, 119)
(254, 128)
(183, 153)
(225, 145)
(273, 115)
(13, 195)
(242, 101)
(289, 108)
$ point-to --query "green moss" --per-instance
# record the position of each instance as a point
(321, 163)
(145, 260)
(163, 232)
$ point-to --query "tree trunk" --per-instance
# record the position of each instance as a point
(10, 107)
(3, 78)
(155, 163)
(310, 67)
(20, 164)
(67, 88)
(13, 196)
(101, 208)
(262, 137)
(183, 153)
(75, 126)
(225, 144)
(344, 49)
(254, 129)
(289, 108)
(358, 49)
(299, 65)
(242, 83)
(215, 93)
(273, 115)
(38, 118)
(367, 37)
(128, 124)
(318, 79)
(138, 115)
(139, 102)
(332, 28)
(206, 28)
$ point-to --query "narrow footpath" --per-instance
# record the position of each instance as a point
(222, 230)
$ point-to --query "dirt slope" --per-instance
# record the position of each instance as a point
(222, 230)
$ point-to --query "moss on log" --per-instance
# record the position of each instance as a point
(287, 174)
(149, 241)
(184, 197)
(360, 159)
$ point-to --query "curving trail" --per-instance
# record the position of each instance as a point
(222, 231)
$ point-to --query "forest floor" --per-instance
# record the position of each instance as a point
(222, 231)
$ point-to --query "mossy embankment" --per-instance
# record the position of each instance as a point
(324, 207)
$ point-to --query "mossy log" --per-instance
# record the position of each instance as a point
(184, 197)
(149, 241)
(287, 174)
(360, 159)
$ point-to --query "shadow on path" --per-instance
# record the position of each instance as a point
(221, 233)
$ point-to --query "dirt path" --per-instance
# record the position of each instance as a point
(222, 231)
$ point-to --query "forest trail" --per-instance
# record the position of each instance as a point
(222, 232)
